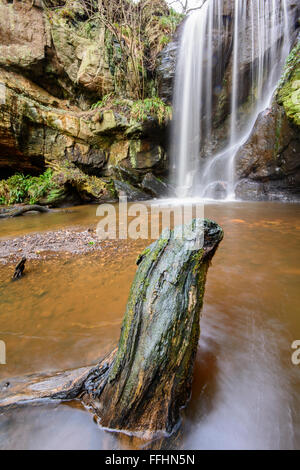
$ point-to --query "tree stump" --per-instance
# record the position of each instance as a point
(150, 377)
(141, 386)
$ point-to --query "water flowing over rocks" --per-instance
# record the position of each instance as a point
(220, 88)
(268, 163)
(53, 71)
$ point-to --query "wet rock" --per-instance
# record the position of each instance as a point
(269, 160)
(248, 190)
(154, 186)
(52, 74)
(222, 82)
(145, 154)
(268, 164)
(217, 191)
(133, 194)
(166, 69)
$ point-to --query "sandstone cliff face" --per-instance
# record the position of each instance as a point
(24, 34)
(51, 72)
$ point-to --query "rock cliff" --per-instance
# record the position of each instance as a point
(78, 93)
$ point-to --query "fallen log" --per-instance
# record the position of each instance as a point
(20, 210)
(142, 385)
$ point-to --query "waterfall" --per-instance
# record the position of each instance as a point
(230, 59)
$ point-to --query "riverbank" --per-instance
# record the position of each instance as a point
(48, 244)
(64, 242)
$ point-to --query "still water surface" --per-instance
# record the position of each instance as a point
(67, 313)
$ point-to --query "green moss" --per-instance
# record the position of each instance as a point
(288, 93)
(198, 261)
(53, 186)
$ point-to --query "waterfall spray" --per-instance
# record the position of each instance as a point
(239, 53)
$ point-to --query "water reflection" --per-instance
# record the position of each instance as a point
(67, 313)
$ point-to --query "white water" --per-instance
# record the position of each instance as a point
(259, 34)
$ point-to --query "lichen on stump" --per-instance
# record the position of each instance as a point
(150, 376)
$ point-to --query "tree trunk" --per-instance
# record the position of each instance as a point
(150, 377)
(140, 387)
(20, 210)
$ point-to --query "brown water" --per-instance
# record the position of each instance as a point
(67, 313)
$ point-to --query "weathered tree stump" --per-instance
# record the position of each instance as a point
(141, 387)
(151, 375)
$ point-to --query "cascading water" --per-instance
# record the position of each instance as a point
(231, 55)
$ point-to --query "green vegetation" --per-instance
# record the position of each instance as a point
(288, 94)
(138, 111)
(135, 33)
(28, 189)
(128, 36)
(292, 63)
(154, 107)
(52, 186)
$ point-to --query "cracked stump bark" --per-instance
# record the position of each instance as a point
(150, 376)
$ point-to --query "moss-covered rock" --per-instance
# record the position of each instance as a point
(288, 94)
(88, 188)
(37, 130)
(61, 185)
